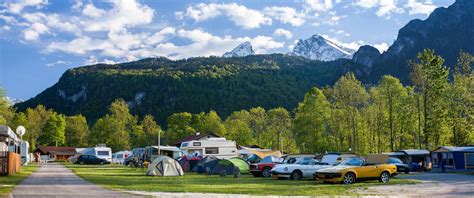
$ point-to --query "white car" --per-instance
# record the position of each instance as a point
(119, 157)
(305, 167)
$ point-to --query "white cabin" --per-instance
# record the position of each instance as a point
(216, 147)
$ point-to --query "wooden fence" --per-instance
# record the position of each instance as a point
(9, 163)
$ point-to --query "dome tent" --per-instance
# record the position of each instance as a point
(164, 166)
(188, 162)
(230, 165)
(207, 162)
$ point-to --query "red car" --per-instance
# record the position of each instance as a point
(264, 166)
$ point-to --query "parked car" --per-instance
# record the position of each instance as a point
(119, 157)
(306, 167)
(356, 169)
(401, 167)
(90, 159)
(264, 166)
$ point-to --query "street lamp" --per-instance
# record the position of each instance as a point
(159, 141)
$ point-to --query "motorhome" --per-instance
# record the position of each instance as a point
(217, 147)
(100, 151)
(151, 152)
(25, 156)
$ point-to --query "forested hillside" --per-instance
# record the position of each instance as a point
(386, 116)
(160, 87)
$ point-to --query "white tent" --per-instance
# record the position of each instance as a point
(164, 166)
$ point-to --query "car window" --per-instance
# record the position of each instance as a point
(352, 162)
(394, 160)
(314, 162)
(290, 160)
(304, 161)
(120, 156)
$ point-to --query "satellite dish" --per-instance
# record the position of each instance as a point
(20, 130)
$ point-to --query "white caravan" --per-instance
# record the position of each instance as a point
(100, 151)
(216, 147)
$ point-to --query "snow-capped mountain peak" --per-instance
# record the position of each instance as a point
(322, 48)
(241, 50)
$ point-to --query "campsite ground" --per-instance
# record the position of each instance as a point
(133, 179)
(8, 183)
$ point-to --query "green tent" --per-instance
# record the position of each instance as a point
(229, 166)
(243, 166)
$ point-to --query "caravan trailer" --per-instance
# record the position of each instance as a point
(216, 147)
(100, 151)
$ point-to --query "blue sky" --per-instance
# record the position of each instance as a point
(40, 39)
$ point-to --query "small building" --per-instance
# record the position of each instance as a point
(10, 145)
(55, 153)
(197, 137)
(453, 159)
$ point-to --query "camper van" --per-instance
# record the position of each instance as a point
(217, 147)
(100, 151)
(151, 152)
(119, 157)
(25, 157)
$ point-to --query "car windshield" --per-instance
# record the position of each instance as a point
(394, 160)
(352, 162)
(315, 162)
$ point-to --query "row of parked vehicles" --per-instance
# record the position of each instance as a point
(332, 167)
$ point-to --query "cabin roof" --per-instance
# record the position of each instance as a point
(55, 150)
(193, 137)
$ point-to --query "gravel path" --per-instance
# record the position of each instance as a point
(55, 180)
(433, 185)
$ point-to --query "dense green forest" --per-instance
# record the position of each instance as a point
(160, 87)
(438, 109)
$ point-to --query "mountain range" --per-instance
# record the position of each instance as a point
(160, 86)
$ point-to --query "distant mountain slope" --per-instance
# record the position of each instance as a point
(446, 30)
(160, 87)
(241, 50)
(319, 48)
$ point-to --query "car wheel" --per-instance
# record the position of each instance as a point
(349, 178)
(384, 177)
(296, 175)
(101, 163)
(407, 171)
(82, 162)
(266, 172)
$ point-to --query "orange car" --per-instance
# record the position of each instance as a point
(356, 169)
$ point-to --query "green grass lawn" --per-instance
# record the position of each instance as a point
(7, 183)
(124, 178)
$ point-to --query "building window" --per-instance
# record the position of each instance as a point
(212, 150)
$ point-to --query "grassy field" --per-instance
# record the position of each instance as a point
(125, 178)
(7, 183)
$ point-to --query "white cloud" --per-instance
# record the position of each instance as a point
(367, 3)
(58, 62)
(34, 31)
(384, 7)
(18, 6)
(160, 36)
(285, 15)
(388, 7)
(92, 60)
(319, 5)
(381, 47)
(283, 32)
(415, 7)
(239, 14)
(92, 11)
(123, 14)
